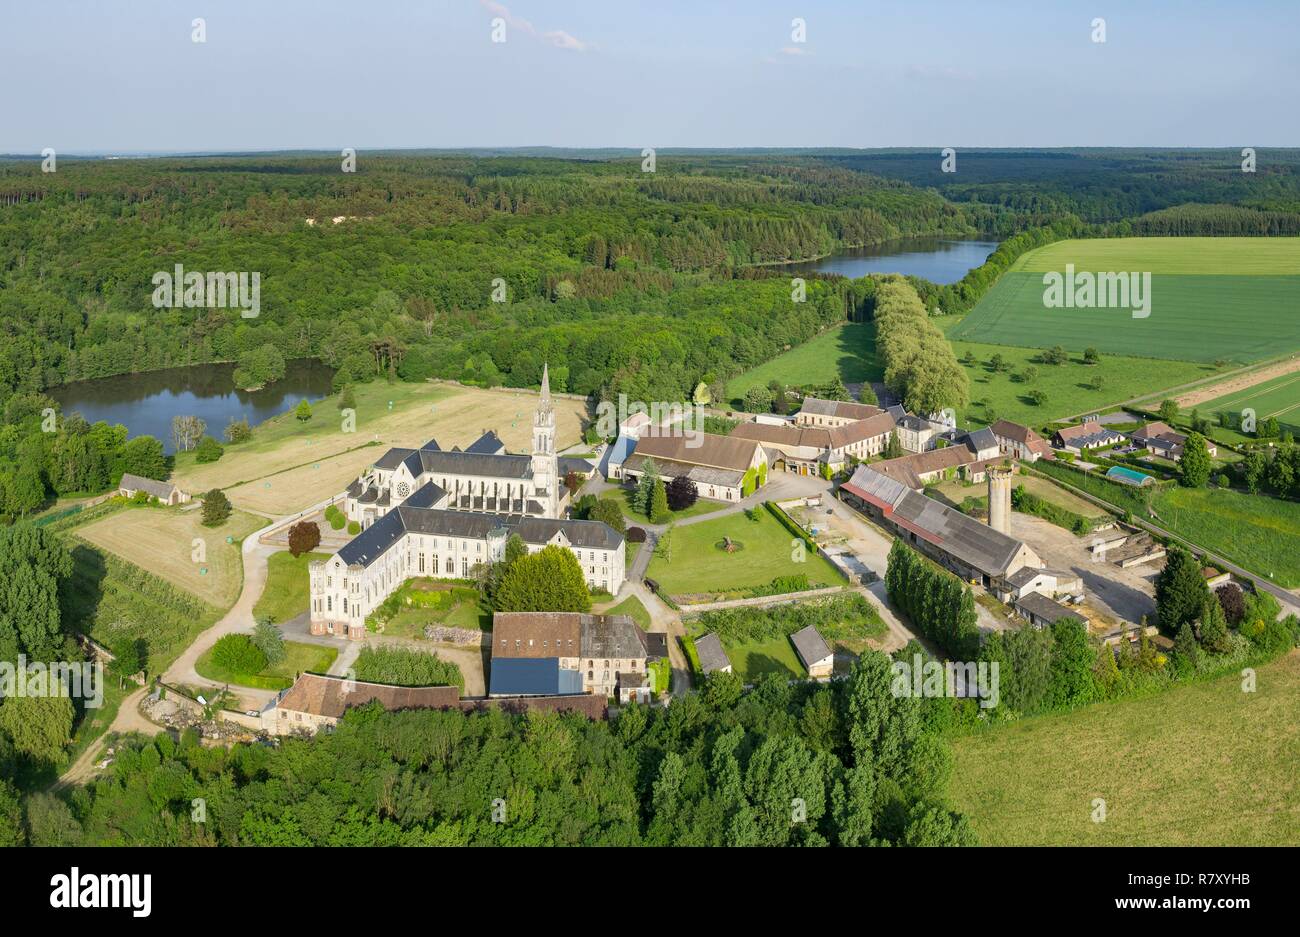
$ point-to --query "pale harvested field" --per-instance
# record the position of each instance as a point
(161, 540)
(304, 463)
(1240, 382)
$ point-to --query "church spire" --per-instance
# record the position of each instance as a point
(546, 385)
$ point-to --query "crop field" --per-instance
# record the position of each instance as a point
(161, 540)
(1258, 532)
(847, 352)
(1277, 397)
(289, 465)
(1202, 764)
(1211, 299)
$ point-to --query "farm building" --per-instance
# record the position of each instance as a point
(815, 411)
(814, 652)
(713, 659)
(717, 464)
(803, 449)
(563, 653)
(1042, 612)
(1020, 442)
(165, 492)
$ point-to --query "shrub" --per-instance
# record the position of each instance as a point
(636, 535)
(607, 511)
(268, 639)
(354, 527)
(1233, 602)
(682, 493)
(238, 654)
(238, 431)
(216, 508)
(303, 411)
(405, 667)
(208, 450)
(304, 537)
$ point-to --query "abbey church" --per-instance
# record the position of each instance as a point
(442, 513)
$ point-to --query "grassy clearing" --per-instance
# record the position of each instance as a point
(285, 595)
(422, 602)
(847, 352)
(162, 540)
(700, 566)
(289, 465)
(752, 659)
(1258, 532)
(299, 657)
(632, 606)
(1203, 764)
(623, 498)
(1069, 388)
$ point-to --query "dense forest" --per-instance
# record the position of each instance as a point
(479, 267)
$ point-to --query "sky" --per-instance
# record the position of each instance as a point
(125, 76)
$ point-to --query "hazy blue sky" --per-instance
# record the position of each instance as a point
(112, 75)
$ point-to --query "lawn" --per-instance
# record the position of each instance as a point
(422, 601)
(291, 464)
(847, 351)
(1202, 764)
(1069, 388)
(623, 498)
(631, 606)
(1258, 532)
(751, 659)
(1211, 299)
(700, 566)
(299, 657)
(285, 595)
(166, 541)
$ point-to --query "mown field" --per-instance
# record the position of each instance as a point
(1211, 299)
(162, 540)
(1204, 764)
(1278, 397)
(847, 352)
(290, 464)
(285, 595)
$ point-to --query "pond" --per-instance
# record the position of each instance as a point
(939, 260)
(145, 403)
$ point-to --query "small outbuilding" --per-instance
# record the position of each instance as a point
(713, 659)
(815, 653)
(165, 492)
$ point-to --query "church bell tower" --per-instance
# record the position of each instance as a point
(546, 464)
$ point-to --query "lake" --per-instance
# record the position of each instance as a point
(145, 403)
(939, 260)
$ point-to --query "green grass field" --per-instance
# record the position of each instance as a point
(1203, 764)
(1070, 388)
(1278, 397)
(299, 657)
(847, 351)
(631, 606)
(699, 566)
(285, 594)
(751, 659)
(623, 497)
(1258, 532)
(1211, 299)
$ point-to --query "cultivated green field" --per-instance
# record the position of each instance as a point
(1211, 299)
(1258, 532)
(1204, 764)
(847, 352)
(1278, 397)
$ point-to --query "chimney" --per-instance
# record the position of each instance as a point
(1000, 498)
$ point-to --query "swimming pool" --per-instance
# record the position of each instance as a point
(1128, 477)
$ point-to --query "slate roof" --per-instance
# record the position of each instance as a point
(533, 676)
(1005, 429)
(810, 645)
(622, 448)
(842, 409)
(372, 542)
(487, 444)
(1047, 609)
(980, 439)
(708, 648)
(330, 696)
(160, 490)
(656, 645)
(1087, 435)
(700, 474)
(476, 463)
(612, 636)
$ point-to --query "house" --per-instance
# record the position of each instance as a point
(970, 455)
(1087, 435)
(1020, 442)
(981, 442)
(563, 653)
(617, 455)
(165, 492)
(1042, 612)
(1050, 582)
(480, 478)
(1160, 439)
(709, 652)
(916, 433)
(317, 701)
(813, 650)
(635, 687)
(718, 465)
(815, 411)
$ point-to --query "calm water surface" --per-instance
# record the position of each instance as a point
(939, 260)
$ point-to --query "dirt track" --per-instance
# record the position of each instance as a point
(1234, 384)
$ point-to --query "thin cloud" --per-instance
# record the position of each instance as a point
(794, 50)
(555, 37)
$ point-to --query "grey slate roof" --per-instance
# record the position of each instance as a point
(612, 636)
(841, 409)
(393, 458)
(487, 444)
(372, 542)
(476, 463)
(157, 489)
(810, 645)
(1047, 609)
(981, 439)
(708, 648)
(975, 544)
